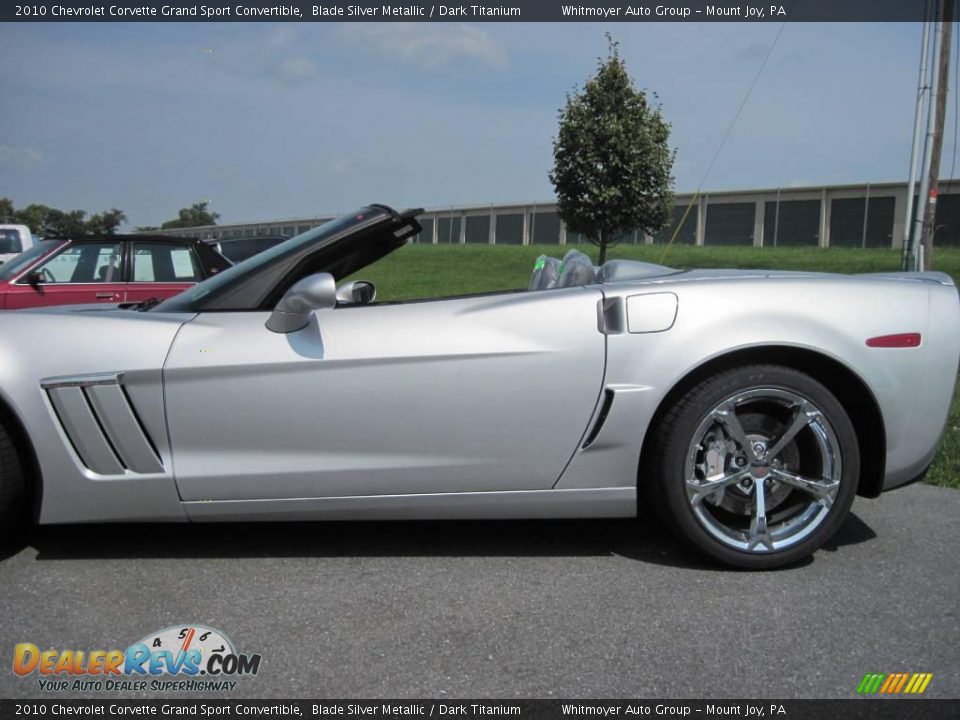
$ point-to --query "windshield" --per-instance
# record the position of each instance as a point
(10, 242)
(21, 262)
(222, 281)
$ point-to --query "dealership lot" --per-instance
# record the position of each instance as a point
(504, 609)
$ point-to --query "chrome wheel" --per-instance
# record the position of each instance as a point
(763, 470)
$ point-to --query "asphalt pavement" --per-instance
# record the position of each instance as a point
(505, 609)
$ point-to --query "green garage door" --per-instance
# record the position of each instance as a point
(730, 224)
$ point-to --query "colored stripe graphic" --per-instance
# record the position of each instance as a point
(870, 683)
(894, 683)
(901, 682)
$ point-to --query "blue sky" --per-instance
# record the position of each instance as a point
(275, 120)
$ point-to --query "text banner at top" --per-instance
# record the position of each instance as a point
(510, 11)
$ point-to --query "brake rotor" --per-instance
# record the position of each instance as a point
(720, 456)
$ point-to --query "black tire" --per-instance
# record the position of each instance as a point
(672, 446)
(12, 488)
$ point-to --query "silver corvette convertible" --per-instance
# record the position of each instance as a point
(748, 408)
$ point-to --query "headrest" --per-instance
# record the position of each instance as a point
(577, 269)
(546, 272)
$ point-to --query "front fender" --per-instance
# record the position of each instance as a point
(43, 346)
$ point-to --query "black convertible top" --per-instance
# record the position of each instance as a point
(340, 247)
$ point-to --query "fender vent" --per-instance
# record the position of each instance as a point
(601, 419)
(102, 425)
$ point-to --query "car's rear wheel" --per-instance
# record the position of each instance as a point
(12, 488)
(756, 466)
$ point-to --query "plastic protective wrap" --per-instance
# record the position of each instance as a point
(576, 269)
(546, 272)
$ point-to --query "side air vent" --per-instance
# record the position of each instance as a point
(96, 415)
(601, 419)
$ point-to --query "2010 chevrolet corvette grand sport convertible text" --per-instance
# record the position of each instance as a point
(749, 407)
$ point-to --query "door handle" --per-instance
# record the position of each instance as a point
(106, 296)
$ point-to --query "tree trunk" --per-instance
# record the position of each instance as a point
(603, 248)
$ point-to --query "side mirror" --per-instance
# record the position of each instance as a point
(292, 313)
(33, 279)
(356, 292)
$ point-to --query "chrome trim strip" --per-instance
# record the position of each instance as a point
(81, 381)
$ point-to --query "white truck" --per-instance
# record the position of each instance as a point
(14, 239)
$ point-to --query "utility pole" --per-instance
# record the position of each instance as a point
(922, 89)
(940, 98)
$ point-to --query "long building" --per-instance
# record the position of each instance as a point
(858, 216)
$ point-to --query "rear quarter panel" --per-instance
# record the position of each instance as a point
(831, 315)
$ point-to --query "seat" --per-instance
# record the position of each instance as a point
(546, 272)
(105, 273)
(577, 269)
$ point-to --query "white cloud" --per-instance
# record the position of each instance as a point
(19, 158)
(297, 68)
(266, 55)
(428, 46)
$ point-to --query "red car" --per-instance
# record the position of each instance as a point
(106, 269)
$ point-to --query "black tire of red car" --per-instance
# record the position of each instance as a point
(664, 477)
(12, 488)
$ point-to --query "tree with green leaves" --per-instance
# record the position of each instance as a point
(194, 216)
(612, 167)
(106, 223)
(64, 223)
(50, 222)
(34, 216)
(7, 213)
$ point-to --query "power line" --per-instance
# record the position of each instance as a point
(742, 104)
(723, 141)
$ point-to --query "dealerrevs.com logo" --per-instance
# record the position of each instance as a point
(179, 658)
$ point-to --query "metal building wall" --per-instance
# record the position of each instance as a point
(866, 216)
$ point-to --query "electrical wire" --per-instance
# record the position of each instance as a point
(723, 141)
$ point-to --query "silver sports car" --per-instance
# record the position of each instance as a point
(748, 407)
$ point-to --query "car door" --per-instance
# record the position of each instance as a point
(80, 273)
(465, 394)
(161, 270)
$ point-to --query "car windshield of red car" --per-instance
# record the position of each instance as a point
(21, 262)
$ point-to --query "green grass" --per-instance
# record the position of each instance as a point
(946, 465)
(423, 271)
(419, 271)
